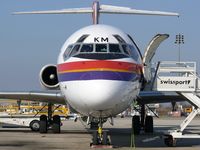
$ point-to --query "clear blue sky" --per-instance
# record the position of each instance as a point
(29, 42)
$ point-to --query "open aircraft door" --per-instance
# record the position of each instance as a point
(150, 52)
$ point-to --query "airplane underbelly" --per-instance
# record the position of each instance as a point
(95, 97)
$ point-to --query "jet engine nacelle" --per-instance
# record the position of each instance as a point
(48, 77)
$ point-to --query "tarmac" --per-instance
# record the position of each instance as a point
(76, 136)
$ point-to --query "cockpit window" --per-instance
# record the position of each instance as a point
(131, 51)
(87, 48)
(67, 51)
(134, 52)
(102, 48)
(114, 48)
(82, 38)
(119, 39)
(75, 50)
(126, 49)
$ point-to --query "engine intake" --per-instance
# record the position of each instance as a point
(48, 77)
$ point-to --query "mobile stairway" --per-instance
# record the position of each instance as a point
(179, 77)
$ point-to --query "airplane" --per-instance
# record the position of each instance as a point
(99, 72)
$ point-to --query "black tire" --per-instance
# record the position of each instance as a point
(148, 128)
(35, 125)
(56, 124)
(43, 124)
(170, 141)
(95, 138)
(105, 138)
(136, 126)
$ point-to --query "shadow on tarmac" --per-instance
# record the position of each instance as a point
(121, 137)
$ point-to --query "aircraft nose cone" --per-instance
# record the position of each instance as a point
(94, 94)
(100, 94)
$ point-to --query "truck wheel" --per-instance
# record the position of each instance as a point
(35, 125)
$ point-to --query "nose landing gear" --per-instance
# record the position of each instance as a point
(100, 137)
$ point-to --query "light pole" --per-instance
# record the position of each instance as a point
(179, 41)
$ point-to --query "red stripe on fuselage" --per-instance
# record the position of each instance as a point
(81, 65)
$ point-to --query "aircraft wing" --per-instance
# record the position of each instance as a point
(52, 97)
(145, 97)
(148, 97)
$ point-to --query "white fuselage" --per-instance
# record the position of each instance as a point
(98, 83)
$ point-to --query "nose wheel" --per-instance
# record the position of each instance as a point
(100, 138)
